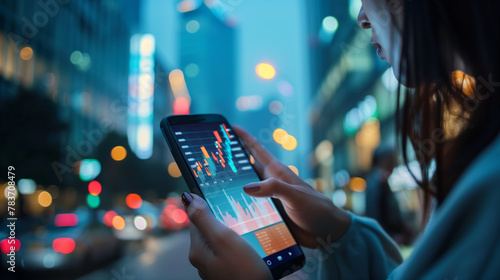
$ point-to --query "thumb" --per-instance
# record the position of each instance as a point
(200, 216)
(275, 188)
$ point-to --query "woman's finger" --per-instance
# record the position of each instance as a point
(206, 224)
(275, 188)
(199, 252)
(202, 274)
(258, 151)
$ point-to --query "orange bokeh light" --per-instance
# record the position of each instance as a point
(118, 222)
(173, 170)
(279, 135)
(357, 184)
(289, 143)
(118, 153)
(133, 201)
(26, 53)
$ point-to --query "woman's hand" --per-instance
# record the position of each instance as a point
(217, 251)
(315, 219)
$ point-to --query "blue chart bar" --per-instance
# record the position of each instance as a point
(227, 147)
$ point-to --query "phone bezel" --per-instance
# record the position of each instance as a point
(278, 271)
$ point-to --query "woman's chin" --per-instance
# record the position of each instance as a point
(401, 77)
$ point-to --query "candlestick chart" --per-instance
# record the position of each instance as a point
(222, 168)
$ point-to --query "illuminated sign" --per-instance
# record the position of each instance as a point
(141, 95)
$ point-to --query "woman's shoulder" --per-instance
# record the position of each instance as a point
(483, 173)
(465, 223)
(476, 191)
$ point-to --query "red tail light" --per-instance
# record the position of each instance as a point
(66, 220)
(63, 245)
(6, 244)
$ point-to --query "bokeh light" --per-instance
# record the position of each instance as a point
(285, 88)
(118, 222)
(275, 107)
(339, 198)
(93, 201)
(249, 103)
(107, 219)
(118, 153)
(5, 246)
(357, 184)
(289, 143)
(88, 169)
(173, 170)
(66, 220)
(179, 216)
(140, 223)
(45, 199)
(49, 261)
(192, 70)
(76, 57)
(95, 188)
(369, 134)
(279, 135)
(294, 169)
(26, 186)
(330, 24)
(86, 62)
(63, 245)
(341, 178)
(181, 106)
(133, 201)
(265, 71)
(324, 150)
(192, 26)
(26, 53)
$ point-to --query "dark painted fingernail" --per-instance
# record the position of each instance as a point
(186, 199)
(252, 187)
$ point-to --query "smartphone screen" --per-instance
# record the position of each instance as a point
(221, 168)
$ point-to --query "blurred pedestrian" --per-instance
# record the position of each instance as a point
(381, 203)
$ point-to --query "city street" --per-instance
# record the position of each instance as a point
(162, 258)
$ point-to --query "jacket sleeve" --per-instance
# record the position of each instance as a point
(365, 251)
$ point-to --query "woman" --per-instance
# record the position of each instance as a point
(452, 121)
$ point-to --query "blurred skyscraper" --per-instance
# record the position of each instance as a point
(76, 53)
(207, 56)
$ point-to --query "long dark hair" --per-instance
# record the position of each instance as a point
(448, 116)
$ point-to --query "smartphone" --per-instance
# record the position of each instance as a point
(216, 166)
